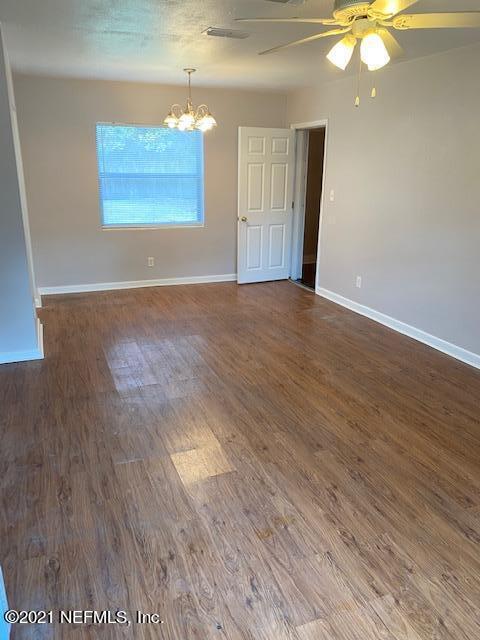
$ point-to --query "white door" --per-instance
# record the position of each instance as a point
(265, 188)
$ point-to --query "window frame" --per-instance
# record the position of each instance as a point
(135, 226)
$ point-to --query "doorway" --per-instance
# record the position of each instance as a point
(311, 143)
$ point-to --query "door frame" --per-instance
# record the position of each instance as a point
(300, 192)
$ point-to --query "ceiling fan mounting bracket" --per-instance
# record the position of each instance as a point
(347, 11)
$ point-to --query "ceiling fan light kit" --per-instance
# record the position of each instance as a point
(190, 118)
(374, 52)
(371, 22)
(341, 54)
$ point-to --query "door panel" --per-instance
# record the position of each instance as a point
(256, 145)
(265, 187)
(254, 247)
(255, 186)
(278, 188)
(280, 146)
(277, 246)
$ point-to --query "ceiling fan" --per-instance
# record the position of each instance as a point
(370, 22)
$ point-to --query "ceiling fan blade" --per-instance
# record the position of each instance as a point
(317, 36)
(327, 21)
(389, 8)
(393, 46)
(437, 20)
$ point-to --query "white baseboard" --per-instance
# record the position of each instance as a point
(135, 284)
(450, 349)
(22, 356)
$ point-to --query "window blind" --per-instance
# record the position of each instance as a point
(149, 176)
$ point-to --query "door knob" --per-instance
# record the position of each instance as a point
(244, 219)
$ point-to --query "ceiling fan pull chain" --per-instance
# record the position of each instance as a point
(373, 93)
(357, 98)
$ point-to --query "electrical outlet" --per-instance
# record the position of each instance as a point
(332, 195)
(151, 262)
(359, 282)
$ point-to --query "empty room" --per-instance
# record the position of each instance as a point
(239, 320)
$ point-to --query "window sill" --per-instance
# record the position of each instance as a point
(145, 227)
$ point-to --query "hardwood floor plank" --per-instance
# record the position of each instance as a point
(398, 624)
(351, 624)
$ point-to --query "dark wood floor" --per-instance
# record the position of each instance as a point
(250, 462)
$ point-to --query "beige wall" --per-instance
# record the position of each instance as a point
(406, 173)
(18, 321)
(57, 120)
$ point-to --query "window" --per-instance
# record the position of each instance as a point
(149, 176)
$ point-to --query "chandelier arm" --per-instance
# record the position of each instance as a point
(176, 107)
(202, 110)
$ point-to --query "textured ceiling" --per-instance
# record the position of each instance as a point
(152, 40)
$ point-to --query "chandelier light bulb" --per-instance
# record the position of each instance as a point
(202, 125)
(374, 52)
(171, 120)
(187, 119)
(206, 122)
(341, 54)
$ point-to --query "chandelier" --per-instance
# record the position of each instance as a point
(190, 118)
